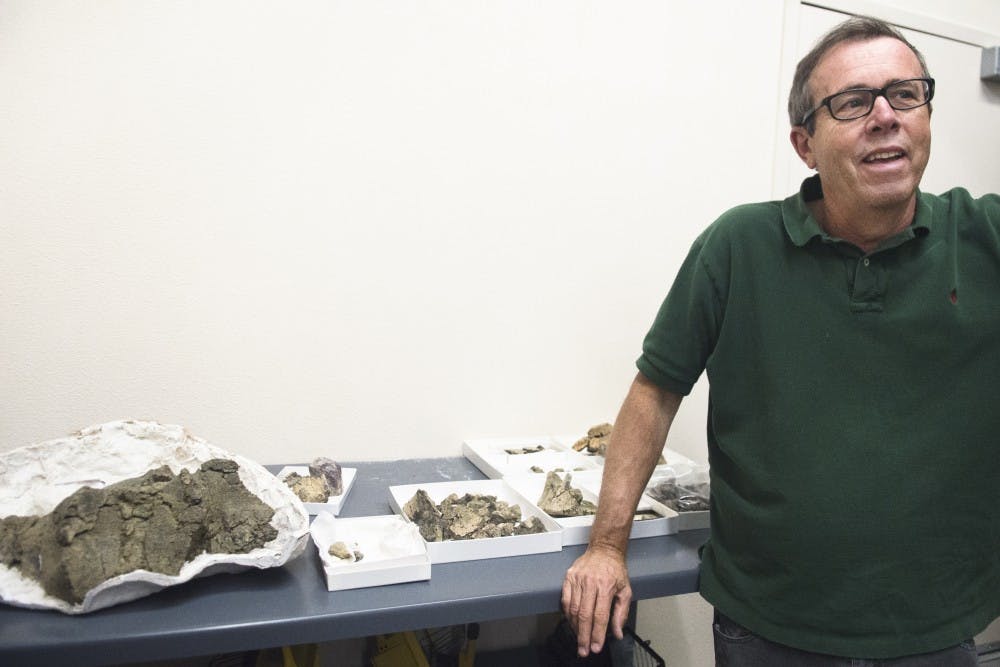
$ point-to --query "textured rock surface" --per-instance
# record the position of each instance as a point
(309, 489)
(596, 441)
(325, 479)
(516, 451)
(560, 499)
(155, 522)
(681, 498)
(344, 552)
(330, 471)
(470, 516)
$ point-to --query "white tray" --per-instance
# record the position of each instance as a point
(576, 529)
(333, 504)
(392, 547)
(674, 459)
(489, 547)
(490, 455)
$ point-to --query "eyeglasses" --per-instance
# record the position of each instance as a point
(859, 102)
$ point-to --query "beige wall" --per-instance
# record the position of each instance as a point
(359, 229)
(365, 229)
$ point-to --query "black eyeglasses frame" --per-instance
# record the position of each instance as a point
(876, 93)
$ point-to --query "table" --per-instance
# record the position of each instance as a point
(291, 605)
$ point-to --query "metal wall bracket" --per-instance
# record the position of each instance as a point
(990, 70)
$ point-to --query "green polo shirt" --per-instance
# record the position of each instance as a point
(854, 422)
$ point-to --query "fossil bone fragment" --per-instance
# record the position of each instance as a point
(560, 499)
(330, 471)
(309, 489)
(325, 479)
(344, 552)
(340, 550)
(470, 516)
(525, 450)
(597, 440)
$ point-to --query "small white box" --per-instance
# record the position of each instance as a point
(500, 457)
(333, 503)
(392, 548)
(576, 529)
(488, 547)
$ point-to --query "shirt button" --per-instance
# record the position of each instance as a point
(866, 261)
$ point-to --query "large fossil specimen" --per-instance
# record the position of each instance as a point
(156, 522)
(121, 510)
(466, 517)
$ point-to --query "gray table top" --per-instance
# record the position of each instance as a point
(291, 605)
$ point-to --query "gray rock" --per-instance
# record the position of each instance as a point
(156, 522)
(560, 499)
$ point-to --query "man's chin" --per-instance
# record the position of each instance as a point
(890, 195)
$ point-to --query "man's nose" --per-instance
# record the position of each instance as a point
(882, 114)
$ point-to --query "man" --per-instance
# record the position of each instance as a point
(851, 339)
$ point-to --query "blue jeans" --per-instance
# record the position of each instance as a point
(735, 646)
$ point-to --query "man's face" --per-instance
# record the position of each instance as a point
(875, 161)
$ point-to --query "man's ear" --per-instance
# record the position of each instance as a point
(802, 143)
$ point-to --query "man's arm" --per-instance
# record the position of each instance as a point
(600, 576)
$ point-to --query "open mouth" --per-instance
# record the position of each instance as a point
(884, 156)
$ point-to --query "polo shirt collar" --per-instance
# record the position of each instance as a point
(802, 227)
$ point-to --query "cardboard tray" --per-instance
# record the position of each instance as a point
(492, 457)
(333, 504)
(576, 529)
(489, 547)
(674, 459)
(392, 547)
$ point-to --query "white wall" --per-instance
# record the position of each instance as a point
(981, 15)
(359, 229)
(364, 229)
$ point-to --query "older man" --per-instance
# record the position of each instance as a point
(851, 339)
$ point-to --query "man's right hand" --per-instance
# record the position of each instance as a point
(595, 591)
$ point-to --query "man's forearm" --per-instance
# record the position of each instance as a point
(636, 444)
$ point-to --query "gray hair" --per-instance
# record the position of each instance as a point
(855, 29)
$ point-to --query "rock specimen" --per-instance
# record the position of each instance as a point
(681, 498)
(309, 489)
(596, 440)
(467, 517)
(325, 479)
(330, 471)
(560, 499)
(514, 451)
(156, 522)
(344, 552)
